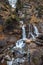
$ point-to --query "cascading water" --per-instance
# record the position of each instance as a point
(9, 62)
(12, 3)
(23, 32)
(32, 35)
(36, 30)
(30, 32)
(20, 43)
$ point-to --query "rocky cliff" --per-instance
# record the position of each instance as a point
(10, 28)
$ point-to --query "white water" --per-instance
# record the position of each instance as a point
(33, 37)
(20, 43)
(36, 30)
(10, 62)
(23, 33)
(12, 3)
(30, 32)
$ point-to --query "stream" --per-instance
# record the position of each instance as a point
(19, 50)
(12, 3)
(36, 32)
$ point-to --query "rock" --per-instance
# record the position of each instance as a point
(39, 40)
(40, 37)
(2, 43)
(21, 61)
(16, 31)
(36, 57)
(7, 58)
(19, 52)
(10, 62)
(32, 45)
(28, 41)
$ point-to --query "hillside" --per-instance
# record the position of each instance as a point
(21, 32)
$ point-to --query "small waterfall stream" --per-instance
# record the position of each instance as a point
(20, 43)
(12, 3)
(33, 37)
(23, 32)
(30, 32)
(36, 30)
(10, 62)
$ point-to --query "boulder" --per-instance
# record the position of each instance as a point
(39, 40)
(28, 41)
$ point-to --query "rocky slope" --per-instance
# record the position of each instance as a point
(33, 11)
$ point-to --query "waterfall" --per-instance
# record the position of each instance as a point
(36, 30)
(20, 43)
(12, 3)
(20, 50)
(23, 32)
(32, 35)
(10, 62)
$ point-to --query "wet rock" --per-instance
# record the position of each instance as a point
(39, 40)
(19, 52)
(40, 37)
(20, 43)
(10, 62)
(20, 61)
(7, 58)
